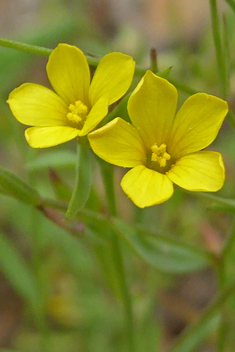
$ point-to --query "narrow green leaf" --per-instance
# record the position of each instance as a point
(162, 252)
(220, 55)
(164, 73)
(204, 325)
(53, 159)
(18, 273)
(14, 186)
(83, 182)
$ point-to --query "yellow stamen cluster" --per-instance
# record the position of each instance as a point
(78, 112)
(159, 154)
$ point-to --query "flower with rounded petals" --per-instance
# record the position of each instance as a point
(78, 104)
(162, 148)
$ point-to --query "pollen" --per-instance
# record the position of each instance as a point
(159, 154)
(77, 112)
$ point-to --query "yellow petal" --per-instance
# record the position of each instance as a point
(69, 73)
(201, 171)
(97, 113)
(197, 124)
(118, 143)
(146, 187)
(44, 137)
(152, 108)
(35, 105)
(113, 77)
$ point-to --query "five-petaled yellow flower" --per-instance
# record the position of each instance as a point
(162, 148)
(77, 105)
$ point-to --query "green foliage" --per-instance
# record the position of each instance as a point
(83, 182)
(162, 252)
(13, 186)
(19, 274)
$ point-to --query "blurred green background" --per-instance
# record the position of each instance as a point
(79, 309)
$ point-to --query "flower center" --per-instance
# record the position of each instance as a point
(159, 154)
(77, 113)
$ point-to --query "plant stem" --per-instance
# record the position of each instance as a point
(28, 48)
(187, 341)
(108, 179)
(222, 323)
(92, 61)
(118, 259)
(153, 60)
(229, 241)
(222, 284)
(218, 48)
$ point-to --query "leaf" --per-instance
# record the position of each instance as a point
(83, 182)
(14, 186)
(162, 252)
(18, 273)
(54, 159)
(164, 73)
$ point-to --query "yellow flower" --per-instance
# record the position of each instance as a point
(76, 106)
(162, 148)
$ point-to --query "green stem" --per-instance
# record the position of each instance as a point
(153, 60)
(222, 283)
(36, 261)
(54, 204)
(118, 259)
(231, 118)
(107, 171)
(108, 179)
(229, 241)
(187, 341)
(218, 47)
(222, 324)
(139, 71)
(28, 48)
(92, 61)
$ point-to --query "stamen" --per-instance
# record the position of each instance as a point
(78, 112)
(159, 154)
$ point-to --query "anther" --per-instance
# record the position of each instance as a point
(159, 154)
(78, 112)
